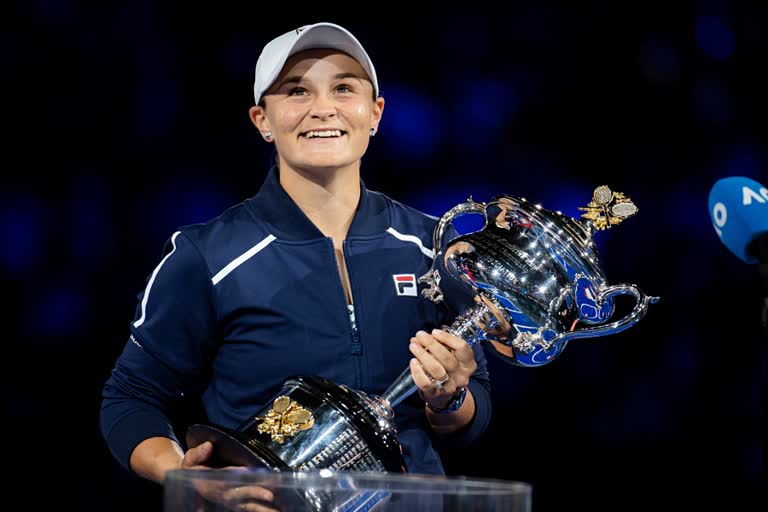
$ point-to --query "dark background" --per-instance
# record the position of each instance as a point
(125, 120)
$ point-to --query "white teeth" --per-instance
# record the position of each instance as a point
(324, 133)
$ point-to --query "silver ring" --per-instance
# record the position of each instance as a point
(439, 383)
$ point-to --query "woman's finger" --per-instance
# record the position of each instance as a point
(440, 352)
(255, 507)
(245, 492)
(430, 365)
(197, 455)
(248, 497)
(460, 348)
(420, 378)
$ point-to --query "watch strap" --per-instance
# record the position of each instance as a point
(457, 400)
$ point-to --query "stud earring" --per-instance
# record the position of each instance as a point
(373, 131)
(267, 136)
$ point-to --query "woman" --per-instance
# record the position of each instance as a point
(300, 279)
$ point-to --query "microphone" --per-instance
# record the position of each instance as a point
(738, 207)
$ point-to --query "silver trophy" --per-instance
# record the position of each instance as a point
(533, 282)
(533, 276)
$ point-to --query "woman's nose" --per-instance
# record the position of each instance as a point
(323, 107)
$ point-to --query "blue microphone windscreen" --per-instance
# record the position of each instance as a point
(738, 207)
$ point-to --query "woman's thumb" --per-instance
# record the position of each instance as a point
(200, 454)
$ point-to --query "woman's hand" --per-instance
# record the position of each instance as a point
(195, 457)
(443, 363)
(231, 494)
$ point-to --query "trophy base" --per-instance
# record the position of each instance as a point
(311, 424)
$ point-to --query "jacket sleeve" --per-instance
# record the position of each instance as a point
(172, 338)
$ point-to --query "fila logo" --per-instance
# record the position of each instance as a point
(405, 284)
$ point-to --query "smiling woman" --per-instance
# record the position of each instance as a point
(301, 279)
(319, 113)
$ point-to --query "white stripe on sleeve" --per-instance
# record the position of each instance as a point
(140, 321)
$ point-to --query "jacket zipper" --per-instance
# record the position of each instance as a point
(356, 348)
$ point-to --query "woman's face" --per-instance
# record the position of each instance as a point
(320, 111)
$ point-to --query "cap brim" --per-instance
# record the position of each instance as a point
(325, 35)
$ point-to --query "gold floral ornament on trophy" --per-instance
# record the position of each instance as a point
(285, 419)
(608, 208)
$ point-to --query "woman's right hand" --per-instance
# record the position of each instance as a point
(195, 457)
(231, 495)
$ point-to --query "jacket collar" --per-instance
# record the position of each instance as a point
(273, 205)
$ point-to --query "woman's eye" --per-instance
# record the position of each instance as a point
(344, 88)
(297, 91)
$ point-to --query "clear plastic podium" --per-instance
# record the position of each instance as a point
(220, 490)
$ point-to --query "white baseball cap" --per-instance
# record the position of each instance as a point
(319, 35)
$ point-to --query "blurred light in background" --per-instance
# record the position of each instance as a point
(714, 37)
(660, 62)
(569, 196)
(711, 101)
(157, 104)
(742, 160)
(9, 57)
(411, 125)
(56, 12)
(180, 202)
(239, 58)
(201, 202)
(537, 24)
(91, 220)
(158, 98)
(22, 219)
(56, 312)
(465, 41)
(479, 119)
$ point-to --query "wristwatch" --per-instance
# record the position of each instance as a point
(453, 405)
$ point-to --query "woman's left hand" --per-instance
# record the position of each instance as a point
(443, 364)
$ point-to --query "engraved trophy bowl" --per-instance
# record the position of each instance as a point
(535, 276)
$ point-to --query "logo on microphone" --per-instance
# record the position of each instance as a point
(405, 284)
(748, 196)
(720, 217)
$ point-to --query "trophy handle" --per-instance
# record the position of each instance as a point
(432, 277)
(470, 206)
(628, 321)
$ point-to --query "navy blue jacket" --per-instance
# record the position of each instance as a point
(242, 302)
